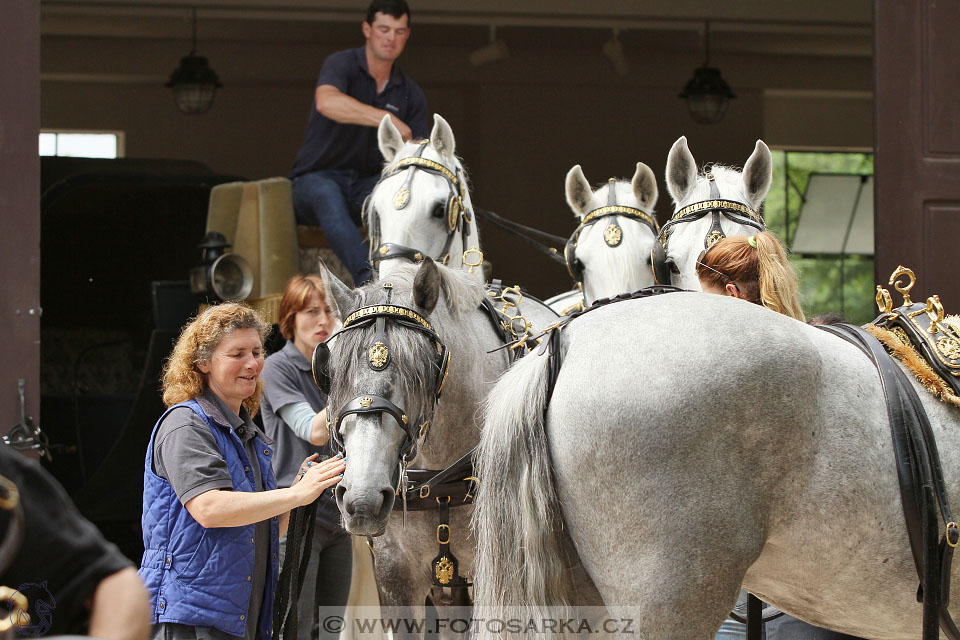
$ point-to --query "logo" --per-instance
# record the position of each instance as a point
(41, 603)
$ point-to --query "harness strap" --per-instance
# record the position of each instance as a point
(523, 233)
(922, 488)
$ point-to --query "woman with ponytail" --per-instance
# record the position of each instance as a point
(754, 268)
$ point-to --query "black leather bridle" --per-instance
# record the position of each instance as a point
(717, 208)
(457, 217)
(613, 234)
(379, 356)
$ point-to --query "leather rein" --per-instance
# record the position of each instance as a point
(457, 217)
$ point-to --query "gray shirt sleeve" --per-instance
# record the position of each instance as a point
(187, 456)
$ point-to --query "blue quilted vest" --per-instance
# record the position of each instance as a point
(197, 576)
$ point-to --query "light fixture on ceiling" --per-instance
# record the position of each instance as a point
(493, 52)
(613, 50)
(194, 83)
(707, 93)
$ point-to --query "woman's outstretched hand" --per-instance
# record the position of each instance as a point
(316, 477)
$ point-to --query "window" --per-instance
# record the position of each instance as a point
(82, 144)
(829, 282)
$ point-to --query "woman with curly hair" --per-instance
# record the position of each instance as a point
(212, 514)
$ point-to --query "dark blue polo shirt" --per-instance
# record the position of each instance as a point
(331, 145)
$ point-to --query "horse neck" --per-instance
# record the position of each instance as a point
(455, 427)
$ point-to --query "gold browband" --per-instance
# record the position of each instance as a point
(616, 208)
(386, 308)
(717, 204)
(430, 164)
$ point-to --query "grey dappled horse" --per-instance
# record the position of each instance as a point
(688, 236)
(694, 443)
(450, 299)
(421, 206)
(609, 253)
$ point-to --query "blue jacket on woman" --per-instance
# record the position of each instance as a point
(198, 576)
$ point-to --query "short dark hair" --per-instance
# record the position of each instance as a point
(395, 8)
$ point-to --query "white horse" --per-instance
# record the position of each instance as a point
(695, 226)
(421, 206)
(610, 251)
(694, 443)
(400, 427)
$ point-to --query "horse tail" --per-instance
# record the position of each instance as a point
(517, 520)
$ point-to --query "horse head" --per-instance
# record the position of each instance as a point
(387, 367)
(710, 205)
(610, 251)
(421, 206)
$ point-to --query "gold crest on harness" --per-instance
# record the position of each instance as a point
(613, 235)
(714, 237)
(401, 198)
(444, 570)
(379, 354)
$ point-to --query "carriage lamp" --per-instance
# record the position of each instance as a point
(707, 93)
(194, 83)
(224, 276)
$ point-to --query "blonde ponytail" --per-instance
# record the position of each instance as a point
(777, 279)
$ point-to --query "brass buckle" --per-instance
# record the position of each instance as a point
(449, 532)
(425, 491)
(472, 251)
(475, 481)
(953, 525)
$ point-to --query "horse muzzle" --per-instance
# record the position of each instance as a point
(365, 512)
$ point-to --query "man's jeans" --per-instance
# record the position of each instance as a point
(333, 199)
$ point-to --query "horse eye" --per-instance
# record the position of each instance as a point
(438, 211)
(673, 266)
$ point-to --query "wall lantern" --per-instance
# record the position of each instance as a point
(194, 83)
(707, 93)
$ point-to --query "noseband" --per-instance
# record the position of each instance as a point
(716, 207)
(379, 358)
(457, 217)
(612, 235)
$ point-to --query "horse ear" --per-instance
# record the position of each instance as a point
(389, 139)
(758, 174)
(442, 137)
(681, 170)
(341, 298)
(426, 286)
(644, 185)
(579, 193)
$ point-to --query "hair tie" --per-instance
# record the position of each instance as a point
(752, 241)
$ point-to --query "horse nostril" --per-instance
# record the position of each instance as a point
(340, 492)
(386, 504)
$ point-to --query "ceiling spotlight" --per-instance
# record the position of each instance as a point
(707, 93)
(493, 52)
(194, 83)
(613, 50)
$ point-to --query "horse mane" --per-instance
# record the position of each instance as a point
(417, 365)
